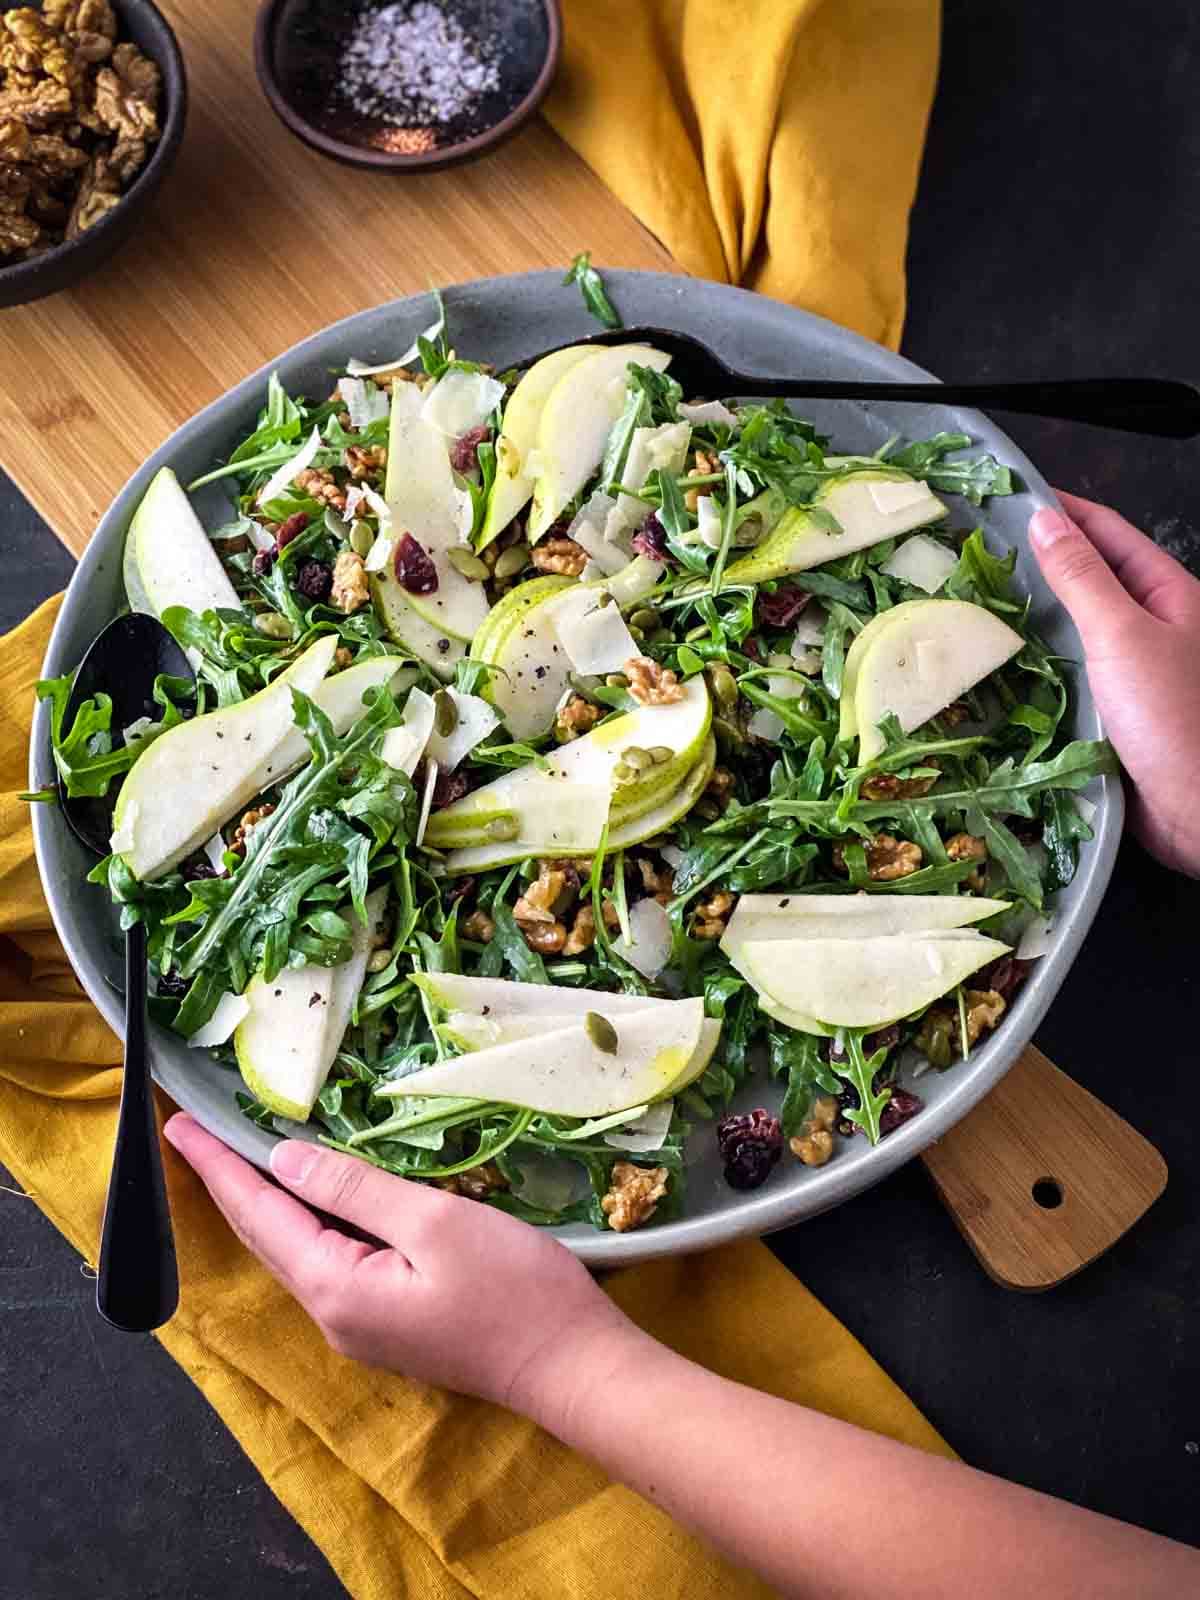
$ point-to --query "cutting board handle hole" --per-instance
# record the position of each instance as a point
(1047, 1192)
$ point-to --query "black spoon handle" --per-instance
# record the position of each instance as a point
(138, 1284)
(1139, 405)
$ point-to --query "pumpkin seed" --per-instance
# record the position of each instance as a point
(637, 758)
(601, 1032)
(603, 598)
(701, 631)
(273, 625)
(724, 686)
(660, 754)
(468, 563)
(646, 618)
(379, 960)
(511, 561)
(361, 539)
(624, 773)
(500, 830)
(617, 680)
(445, 713)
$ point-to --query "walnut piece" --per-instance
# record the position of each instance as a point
(320, 483)
(656, 880)
(814, 1143)
(98, 193)
(127, 94)
(477, 1183)
(350, 591)
(650, 683)
(249, 819)
(363, 461)
(966, 847)
(576, 717)
(887, 786)
(887, 858)
(558, 554)
(541, 896)
(939, 1038)
(703, 467)
(583, 930)
(478, 927)
(710, 916)
(633, 1194)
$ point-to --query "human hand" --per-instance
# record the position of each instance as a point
(459, 1295)
(1138, 613)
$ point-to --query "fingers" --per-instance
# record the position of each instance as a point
(1154, 578)
(1079, 575)
(378, 1202)
(285, 1235)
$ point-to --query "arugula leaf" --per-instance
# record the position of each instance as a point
(797, 1057)
(859, 1072)
(976, 477)
(1063, 829)
(591, 287)
(85, 754)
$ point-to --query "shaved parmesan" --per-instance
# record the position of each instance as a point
(282, 477)
(424, 498)
(710, 521)
(587, 528)
(923, 562)
(648, 948)
(365, 402)
(650, 450)
(214, 849)
(230, 1010)
(379, 554)
(593, 637)
(810, 629)
(1086, 808)
(647, 1132)
(261, 538)
(549, 1183)
(766, 724)
(431, 778)
(460, 401)
(893, 494)
(476, 719)
(672, 855)
(708, 411)
(1035, 940)
(404, 746)
(361, 369)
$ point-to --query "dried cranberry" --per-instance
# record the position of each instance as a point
(172, 985)
(750, 648)
(289, 529)
(903, 1105)
(262, 563)
(464, 452)
(750, 1145)
(883, 1039)
(1004, 976)
(461, 889)
(651, 539)
(201, 867)
(314, 580)
(449, 787)
(413, 567)
(783, 607)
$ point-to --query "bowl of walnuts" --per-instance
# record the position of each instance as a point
(93, 99)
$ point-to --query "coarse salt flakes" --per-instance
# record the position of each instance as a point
(406, 64)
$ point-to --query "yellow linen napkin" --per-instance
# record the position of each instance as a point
(409, 1491)
(773, 143)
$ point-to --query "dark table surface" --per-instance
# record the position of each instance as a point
(1056, 232)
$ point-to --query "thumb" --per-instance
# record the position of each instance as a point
(1078, 573)
(343, 1186)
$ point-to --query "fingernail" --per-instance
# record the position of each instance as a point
(1047, 526)
(176, 1127)
(292, 1161)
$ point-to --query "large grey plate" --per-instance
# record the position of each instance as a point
(500, 320)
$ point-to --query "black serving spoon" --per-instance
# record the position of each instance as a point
(138, 1284)
(1159, 406)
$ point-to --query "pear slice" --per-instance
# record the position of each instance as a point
(500, 999)
(923, 662)
(513, 483)
(288, 1040)
(341, 699)
(799, 541)
(681, 727)
(195, 776)
(434, 646)
(859, 645)
(169, 559)
(869, 982)
(850, 916)
(575, 423)
(520, 641)
(791, 1019)
(425, 501)
(565, 1073)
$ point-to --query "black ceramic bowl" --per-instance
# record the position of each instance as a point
(143, 23)
(295, 44)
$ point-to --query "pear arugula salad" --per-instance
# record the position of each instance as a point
(561, 750)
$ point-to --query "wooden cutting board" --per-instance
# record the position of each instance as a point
(255, 242)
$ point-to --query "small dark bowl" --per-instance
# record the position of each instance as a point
(141, 22)
(287, 68)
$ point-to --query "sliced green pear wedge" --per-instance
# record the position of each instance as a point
(281, 1042)
(859, 645)
(341, 699)
(851, 916)
(923, 662)
(867, 507)
(425, 501)
(169, 559)
(566, 1072)
(710, 1037)
(679, 728)
(575, 423)
(195, 776)
(790, 1019)
(664, 814)
(866, 983)
(513, 483)
(435, 647)
(501, 999)
(532, 669)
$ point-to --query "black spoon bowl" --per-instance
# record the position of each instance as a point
(1161, 406)
(138, 1283)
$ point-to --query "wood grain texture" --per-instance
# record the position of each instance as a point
(253, 243)
(1039, 1126)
